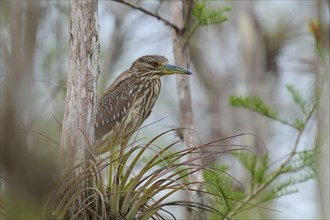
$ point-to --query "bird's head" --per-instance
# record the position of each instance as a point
(156, 66)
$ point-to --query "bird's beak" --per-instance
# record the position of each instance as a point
(169, 69)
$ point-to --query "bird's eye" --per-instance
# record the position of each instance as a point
(155, 64)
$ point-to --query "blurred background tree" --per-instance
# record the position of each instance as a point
(263, 46)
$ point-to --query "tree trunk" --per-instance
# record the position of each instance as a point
(81, 99)
(181, 13)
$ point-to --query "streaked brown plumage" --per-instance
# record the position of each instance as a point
(128, 101)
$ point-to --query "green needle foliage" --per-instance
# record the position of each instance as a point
(297, 97)
(257, 105)
(205, 16)
(221, 186)
(266, 182)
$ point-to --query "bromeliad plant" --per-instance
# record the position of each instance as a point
(132, 191)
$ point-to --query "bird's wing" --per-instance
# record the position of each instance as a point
(113, 106)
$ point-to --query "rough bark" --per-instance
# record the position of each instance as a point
(81, 98)
(181, 13)
(80, 104)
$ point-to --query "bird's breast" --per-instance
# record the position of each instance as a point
(125, 109)
(146, 96)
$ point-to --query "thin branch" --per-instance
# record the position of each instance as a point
(176, 28)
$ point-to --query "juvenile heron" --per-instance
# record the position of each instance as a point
(128, 101)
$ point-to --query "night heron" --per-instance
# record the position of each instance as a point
(128, 101)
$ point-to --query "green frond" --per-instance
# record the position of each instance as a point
(257, 105)
(298, 123)
(298, 99)
(221, 186)
(261, 171)
(257, 167)
(302, 160)
(207, 16)
(254, 104)
(277, 190)
(247, 159)
(285, 187)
